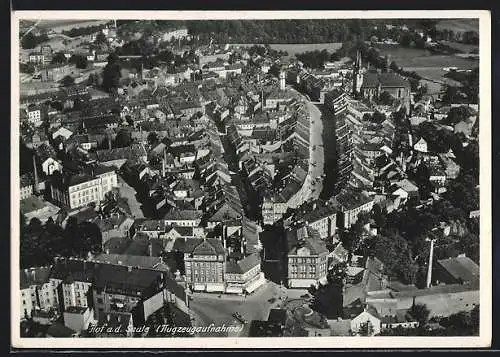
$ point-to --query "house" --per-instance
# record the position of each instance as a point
(204, 262)
(34, 113)
(35, 207)
(82, 189)
(421, 145)
(77, 318)
(26, 186)
(322, 217)
(183, 218)
(37, 292)
(351, 204)
(458, 270)
(369, 320)
(244, 276)
(307, 258)
(400, 318)
(113, 324)
(141, 292)
(62, 132)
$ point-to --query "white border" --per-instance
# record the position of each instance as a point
(484, 340)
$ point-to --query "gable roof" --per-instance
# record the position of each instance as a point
(461, 268)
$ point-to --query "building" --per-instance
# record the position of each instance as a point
(336, 102)
(36, 207)
(307, 258)
(34, 114)
(344, 147)
(26, 186)
(83, 189)
(56, 72)
(420, 145)
(459, 270)
(37, 292)
(183, 218)
(351, 204)
(244, 276)
(204, 262)
(320, 216)
(141, 292)
(375, 83)
(77, 318)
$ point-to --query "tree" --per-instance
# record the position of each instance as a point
(365, 329)
(123, 138)
(30, 41)
(67, 81)
(93, 80)
(153, 139)
(59, 58)
(378, 117)
(420, 313)
(386, 98)
(79, 61)
(111, 73)
(100, 38)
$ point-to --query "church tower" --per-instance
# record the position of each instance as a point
(282, 80)
(358, 77)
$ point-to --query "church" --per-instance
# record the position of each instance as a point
(372, 83)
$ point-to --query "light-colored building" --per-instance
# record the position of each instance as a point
(77, 318)
(81, 190)
(307, 258)
(245, 275)
(205, 263)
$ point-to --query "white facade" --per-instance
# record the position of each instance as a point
(50, 165)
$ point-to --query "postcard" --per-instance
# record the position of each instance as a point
(251, 179)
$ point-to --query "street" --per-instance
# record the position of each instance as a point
(316, 150)
(209, 308)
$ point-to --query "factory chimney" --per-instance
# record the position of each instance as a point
(35, 173)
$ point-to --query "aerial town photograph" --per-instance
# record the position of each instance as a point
(248, 178)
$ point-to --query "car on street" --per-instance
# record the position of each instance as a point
(240, 318)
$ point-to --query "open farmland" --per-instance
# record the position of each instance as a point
(295, 48)
(458, 25)
(65, 25)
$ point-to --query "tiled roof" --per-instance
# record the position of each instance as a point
(462, 268)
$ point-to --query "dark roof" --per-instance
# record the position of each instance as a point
(372, 80)
(114, 319)
(34, 276)
(199, 246)
(80, 310)
(461, 268)
(277, 315)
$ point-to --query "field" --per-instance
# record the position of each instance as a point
(294, 48)
(413, 57)
(65, 25)
(428, 65)
(458, 25)
(460, 46)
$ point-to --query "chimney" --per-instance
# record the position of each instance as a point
(35, 173)
(164, 162)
